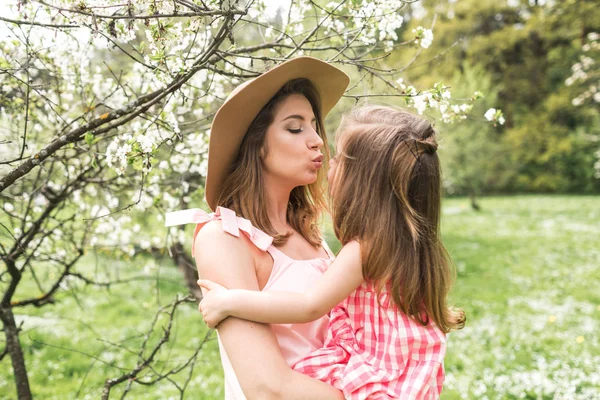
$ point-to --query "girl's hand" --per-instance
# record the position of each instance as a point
(213, 305)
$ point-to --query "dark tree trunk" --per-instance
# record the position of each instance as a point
(474, 205)
(185, 263)
(15, 351)
(188, 267)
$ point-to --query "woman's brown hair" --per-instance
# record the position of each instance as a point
(387, 195)
(244, 192)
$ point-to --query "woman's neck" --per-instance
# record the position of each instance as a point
(277, 204)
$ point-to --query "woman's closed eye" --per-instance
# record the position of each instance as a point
(296, 130)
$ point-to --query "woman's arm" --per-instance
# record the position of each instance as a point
(251, 347)
(341, 278)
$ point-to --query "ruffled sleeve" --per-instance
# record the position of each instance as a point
(231, 223)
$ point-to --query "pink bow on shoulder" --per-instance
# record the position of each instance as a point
(231, 224)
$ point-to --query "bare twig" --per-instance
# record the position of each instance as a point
(33, 23)
(145, 362)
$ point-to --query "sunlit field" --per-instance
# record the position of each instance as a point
(528, 279)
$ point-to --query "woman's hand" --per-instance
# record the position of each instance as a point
(213, 305)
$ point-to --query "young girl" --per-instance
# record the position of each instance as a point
(387, 287)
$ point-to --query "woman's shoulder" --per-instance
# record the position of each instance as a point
(215, 250)
(212, 237)
(226, 229)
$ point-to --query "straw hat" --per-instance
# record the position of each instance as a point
(245, 102)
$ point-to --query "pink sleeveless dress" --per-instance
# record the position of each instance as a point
(295, 340)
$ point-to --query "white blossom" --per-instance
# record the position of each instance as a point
(489, 114)
(423, 36)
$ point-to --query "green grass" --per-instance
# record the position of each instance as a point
(528, 279)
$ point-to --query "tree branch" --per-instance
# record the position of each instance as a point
(47, 297)
(22, 22)
(145, 362)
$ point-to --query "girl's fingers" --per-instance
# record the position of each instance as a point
(209, 285)
(209, 323)
(206, 284)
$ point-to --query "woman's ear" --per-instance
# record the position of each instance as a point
(262, 154)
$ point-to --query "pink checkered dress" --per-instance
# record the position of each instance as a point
(376, 352)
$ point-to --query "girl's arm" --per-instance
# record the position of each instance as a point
(338, 282)
(229, 261)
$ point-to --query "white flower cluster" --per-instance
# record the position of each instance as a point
(494, 116)
(336, 25)
(117, 153)
(436, 99)
(169, 47)
(423, 36)
(297, 17)
(580, 70)
(265, 12)
(586, 71)
(143, 143)
(373, 21)
(112, 231)
(189, 155)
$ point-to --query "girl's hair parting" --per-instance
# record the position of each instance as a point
(387, 195)
(244, 192)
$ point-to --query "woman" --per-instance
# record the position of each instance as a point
(267, 147)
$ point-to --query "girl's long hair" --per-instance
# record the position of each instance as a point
(386, 193)
(244, 191)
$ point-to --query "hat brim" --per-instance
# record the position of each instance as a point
(233, 119)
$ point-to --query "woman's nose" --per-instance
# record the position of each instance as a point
(315, 141)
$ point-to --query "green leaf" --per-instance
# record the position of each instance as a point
(136, 147)
(89, 138)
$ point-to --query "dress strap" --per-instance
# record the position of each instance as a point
(327, 249)
(231, 223)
